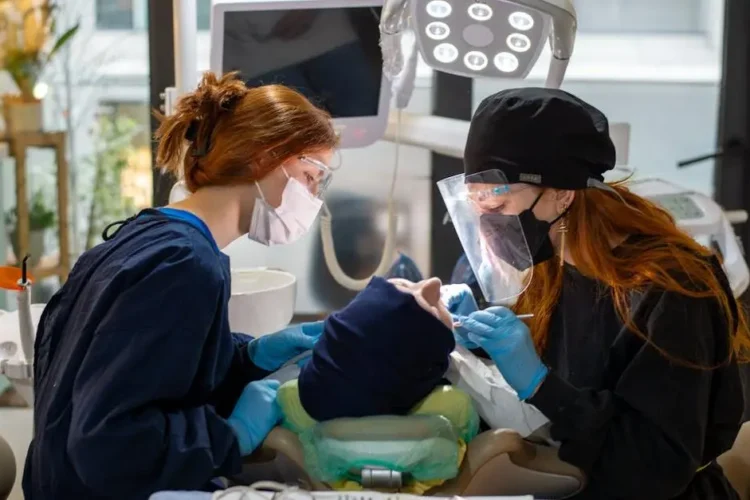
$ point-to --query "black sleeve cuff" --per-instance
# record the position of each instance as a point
(555, 398)
(576, 414)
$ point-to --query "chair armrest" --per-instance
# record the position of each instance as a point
(545, 459)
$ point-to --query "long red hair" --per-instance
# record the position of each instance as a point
(595, 219)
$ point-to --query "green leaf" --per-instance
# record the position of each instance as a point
(63, 40)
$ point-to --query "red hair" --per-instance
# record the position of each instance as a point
(236, 135)
(596, 219)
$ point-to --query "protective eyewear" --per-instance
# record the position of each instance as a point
(317, 184)
(493, 198)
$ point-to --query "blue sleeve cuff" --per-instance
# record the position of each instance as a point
(241, 372)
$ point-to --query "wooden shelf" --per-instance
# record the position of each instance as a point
(19, 144)
(46, 140)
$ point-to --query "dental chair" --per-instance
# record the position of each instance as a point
(7, 469)
(497, 462)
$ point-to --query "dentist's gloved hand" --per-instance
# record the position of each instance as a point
(461, 333)
(270, 352)
(255, 414)
(508, 342)
(458, 299)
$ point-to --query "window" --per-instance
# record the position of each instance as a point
(640, 61)
(204, 14)
(640, 16)
(114, 15)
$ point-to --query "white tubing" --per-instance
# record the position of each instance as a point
(26, 325)
(386, 261)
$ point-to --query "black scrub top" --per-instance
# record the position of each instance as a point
(639, 425)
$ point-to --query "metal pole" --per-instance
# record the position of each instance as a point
(732, 171)
(161, 77)
(451, 98)
(185, 56)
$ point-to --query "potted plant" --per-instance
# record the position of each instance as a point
(27, 44)
(41, 219)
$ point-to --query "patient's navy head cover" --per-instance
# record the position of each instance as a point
(380, 355)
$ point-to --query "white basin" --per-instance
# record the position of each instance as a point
(10, 345)
(262, 300)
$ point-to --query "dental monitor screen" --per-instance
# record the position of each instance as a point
(330, 54)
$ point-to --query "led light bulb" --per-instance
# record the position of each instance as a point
(439, 9)
(475, 60)
(480, 12)
(521, 21)
(445, 53)
(437, 30)
(506, 62)
(518, 42)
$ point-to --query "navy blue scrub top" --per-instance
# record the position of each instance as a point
(136, 368)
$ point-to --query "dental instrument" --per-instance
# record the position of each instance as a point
(458, 324)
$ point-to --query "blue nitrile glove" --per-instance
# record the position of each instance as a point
(508, 342)
(270, 352)
(255, 414)
(459, 299)
(461, 334)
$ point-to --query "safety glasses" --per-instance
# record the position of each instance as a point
(492, 198)
(319, 181)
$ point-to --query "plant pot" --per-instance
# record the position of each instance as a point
(36, 245)
(22, 116)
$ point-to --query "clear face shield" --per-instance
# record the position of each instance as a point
(482, 209)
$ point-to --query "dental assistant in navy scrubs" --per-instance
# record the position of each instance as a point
(139, 384)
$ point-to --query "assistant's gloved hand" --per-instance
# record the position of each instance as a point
(270, 352)
(255, 414)
(508, 341)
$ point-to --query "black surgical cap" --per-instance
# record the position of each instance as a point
(539, 136)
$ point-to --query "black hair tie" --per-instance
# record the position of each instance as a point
(117, 225)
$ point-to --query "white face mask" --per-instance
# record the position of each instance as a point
(290, 221)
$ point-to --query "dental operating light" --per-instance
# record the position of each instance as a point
(493, 38)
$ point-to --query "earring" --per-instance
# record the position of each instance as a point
(563, 230)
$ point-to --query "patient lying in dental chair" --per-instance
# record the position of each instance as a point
(385, 354)
(391, 352)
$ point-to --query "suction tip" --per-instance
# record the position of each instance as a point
(24, 269)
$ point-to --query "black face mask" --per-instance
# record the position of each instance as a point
(509, 235)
